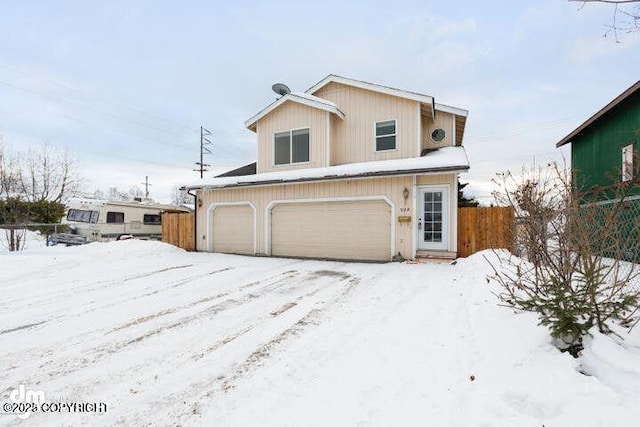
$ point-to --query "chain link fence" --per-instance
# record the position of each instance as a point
(609, 228)
(613, 229)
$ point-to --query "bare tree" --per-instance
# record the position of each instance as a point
(47, 174)
(579, 252)
(33, 183)
(98, 194)
(135, 192)
(115, 194)
(9, 202)
(625, 17)
(7, 174)
(180, 197)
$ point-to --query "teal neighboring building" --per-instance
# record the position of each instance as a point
(604, 163)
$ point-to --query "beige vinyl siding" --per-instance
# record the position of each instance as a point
(262, 196)
(442, 121)
(288, 116)
(232, 229)
(391, 187)
(452, 181)
(353, 139)
(354, 230)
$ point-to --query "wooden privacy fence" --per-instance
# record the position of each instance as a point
(478, 229)
(485, 228)
(177, 229)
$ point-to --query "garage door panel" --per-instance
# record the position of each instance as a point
(233, 229)
(359, 230)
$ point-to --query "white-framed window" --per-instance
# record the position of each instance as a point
(385, 135)
(291, 147)
(80, 215)
(627, 163)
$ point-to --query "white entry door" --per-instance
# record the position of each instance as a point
(433, 218)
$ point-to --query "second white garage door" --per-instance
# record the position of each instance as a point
(233, 229)
(356, 230)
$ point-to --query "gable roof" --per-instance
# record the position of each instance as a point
(604, 110)
(300, 98)
(446, 159)
(422, 98)
(249, 169)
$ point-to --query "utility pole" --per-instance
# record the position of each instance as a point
(204, 141)
(146, 187)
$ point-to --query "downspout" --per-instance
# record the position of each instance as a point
(195, 220)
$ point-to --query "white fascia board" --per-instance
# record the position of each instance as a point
(452, 110)
(330, 107)
(426, 99)
(444, 160)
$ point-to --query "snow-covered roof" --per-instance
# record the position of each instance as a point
(301, 98)
(447, 159)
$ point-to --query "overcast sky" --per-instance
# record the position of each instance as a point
(125, 85)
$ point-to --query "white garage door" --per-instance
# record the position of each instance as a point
(232, 230)
(357, 230)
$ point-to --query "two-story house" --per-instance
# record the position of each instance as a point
(346, 170)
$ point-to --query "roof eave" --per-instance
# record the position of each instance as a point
(453, 110)
(594, 118)
(332, 78)
(251, 123)
(432, 170)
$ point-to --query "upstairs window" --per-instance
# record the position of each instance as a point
(627, 163)
(386, 135)
(291, 147)
(115, 217)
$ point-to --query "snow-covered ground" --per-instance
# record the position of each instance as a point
(166, 337)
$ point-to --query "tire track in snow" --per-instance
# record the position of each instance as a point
(94, 286)
(227, 381)
(22, 327)
(98, 353)
(273, 314)
(162, 270)
(167, 363)
(94, 305)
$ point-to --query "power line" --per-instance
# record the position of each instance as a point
(121, 104)
(137, 135)
(110, 115)
(519, 130)
(115, 116)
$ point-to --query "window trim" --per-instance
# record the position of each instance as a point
(375, 136)
(628, 175)
(273, 163)
(93, 215)
(114, 222)
(151, 223)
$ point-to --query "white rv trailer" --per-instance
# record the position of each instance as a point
(103, 220)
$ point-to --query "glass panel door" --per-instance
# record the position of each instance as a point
(433, 219)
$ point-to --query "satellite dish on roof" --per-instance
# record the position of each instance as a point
(281, 89)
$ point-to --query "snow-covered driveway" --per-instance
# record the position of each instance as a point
(174, 338)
